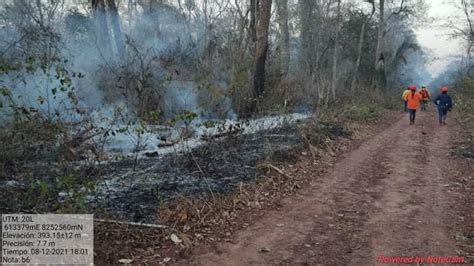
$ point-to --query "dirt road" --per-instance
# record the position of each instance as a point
(390, 196)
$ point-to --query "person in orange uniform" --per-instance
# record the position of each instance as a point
(413, 102)
(425, 97)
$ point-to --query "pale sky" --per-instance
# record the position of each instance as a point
(435, 38)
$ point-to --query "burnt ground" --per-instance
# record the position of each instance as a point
(401, 193)
(133, 189)
(214, 168)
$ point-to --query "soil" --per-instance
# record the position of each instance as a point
(399, 193)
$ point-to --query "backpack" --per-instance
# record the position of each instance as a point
(424, 94)
(405, 94)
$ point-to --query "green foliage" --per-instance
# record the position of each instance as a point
(213, 98)
(187, 117)
(210, 123)
(64, 193)
(6, 92)
(76, 190)
(159, 197)
(153, 116)
(240, 90)
(44, 190)
(33, 134)
(364, 111)
(6, 68)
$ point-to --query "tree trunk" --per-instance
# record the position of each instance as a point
(284, 40)
(253, 19)
(379, 79)
(102, 32)
(359, 52)
(359, 56)
(118, 34)
(261, 49)
(334, 59)
(306, 62)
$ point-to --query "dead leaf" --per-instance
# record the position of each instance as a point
(167, 259)
(264, 250)
(175, 239)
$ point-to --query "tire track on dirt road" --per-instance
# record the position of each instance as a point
(412, 220)
(386, 197)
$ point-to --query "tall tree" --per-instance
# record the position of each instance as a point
(263, 23)
(306, 18)
(252, 29)
(379, 78)
(102, 29)
(116, 28)
(361, 44)
(336, 43)
(284, 38)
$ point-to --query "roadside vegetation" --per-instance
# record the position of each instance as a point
(465, 116)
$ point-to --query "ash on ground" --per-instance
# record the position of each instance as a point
(134, 188)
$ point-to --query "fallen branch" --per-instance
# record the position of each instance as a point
(131, 223)
(279, 170)
(165, 144)
(220, 135)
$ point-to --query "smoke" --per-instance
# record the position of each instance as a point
(408, 61)
(451, 75)
(180, 96)
(162, 47)
(158, 32)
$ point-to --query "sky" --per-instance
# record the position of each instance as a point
(434, 37)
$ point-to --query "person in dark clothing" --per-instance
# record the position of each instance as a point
(444, 103)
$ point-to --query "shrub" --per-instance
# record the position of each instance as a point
(363, 111)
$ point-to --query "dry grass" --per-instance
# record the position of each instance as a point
(464, 111)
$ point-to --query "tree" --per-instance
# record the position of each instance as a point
(334, 61)
(284, 38)
(361, 44)
(116, 28)
(379, 78)
(462, 27)
(306, 18)
(102, 32)
(254, 5)
(263, 23)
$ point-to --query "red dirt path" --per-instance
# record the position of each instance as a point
(390, 196)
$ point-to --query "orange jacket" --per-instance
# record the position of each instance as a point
(414, 100)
